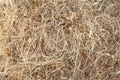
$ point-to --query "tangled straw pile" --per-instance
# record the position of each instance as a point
(59, 39)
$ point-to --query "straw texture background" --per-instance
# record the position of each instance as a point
(59, 39)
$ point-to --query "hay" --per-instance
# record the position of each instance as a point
(59, 39)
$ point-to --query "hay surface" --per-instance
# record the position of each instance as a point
(59, 39)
